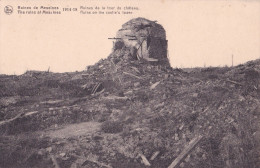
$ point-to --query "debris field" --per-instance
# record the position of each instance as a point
(129, 112)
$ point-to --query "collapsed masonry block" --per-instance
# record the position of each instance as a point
(145, 39)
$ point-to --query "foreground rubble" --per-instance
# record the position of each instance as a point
(127, 113)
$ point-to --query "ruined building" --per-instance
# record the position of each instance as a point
(145, 39)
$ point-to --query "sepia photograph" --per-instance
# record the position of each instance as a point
(129, 84)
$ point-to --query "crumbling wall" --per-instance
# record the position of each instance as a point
(145, 39)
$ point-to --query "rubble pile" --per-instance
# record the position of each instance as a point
(127, 111)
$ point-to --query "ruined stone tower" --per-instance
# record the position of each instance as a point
(146, 40)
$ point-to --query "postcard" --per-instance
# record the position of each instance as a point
(129, 83)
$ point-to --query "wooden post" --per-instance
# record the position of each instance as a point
(232, 60)
(145, 161)
(155, 155)
(186, 151)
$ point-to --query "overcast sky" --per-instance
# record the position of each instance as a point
(198, 32)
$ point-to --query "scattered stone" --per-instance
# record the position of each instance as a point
(176, 137)
(62, 154)
(195, 95)
(187, 159)
(137, 84)
(49, 149)
(181, 127)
